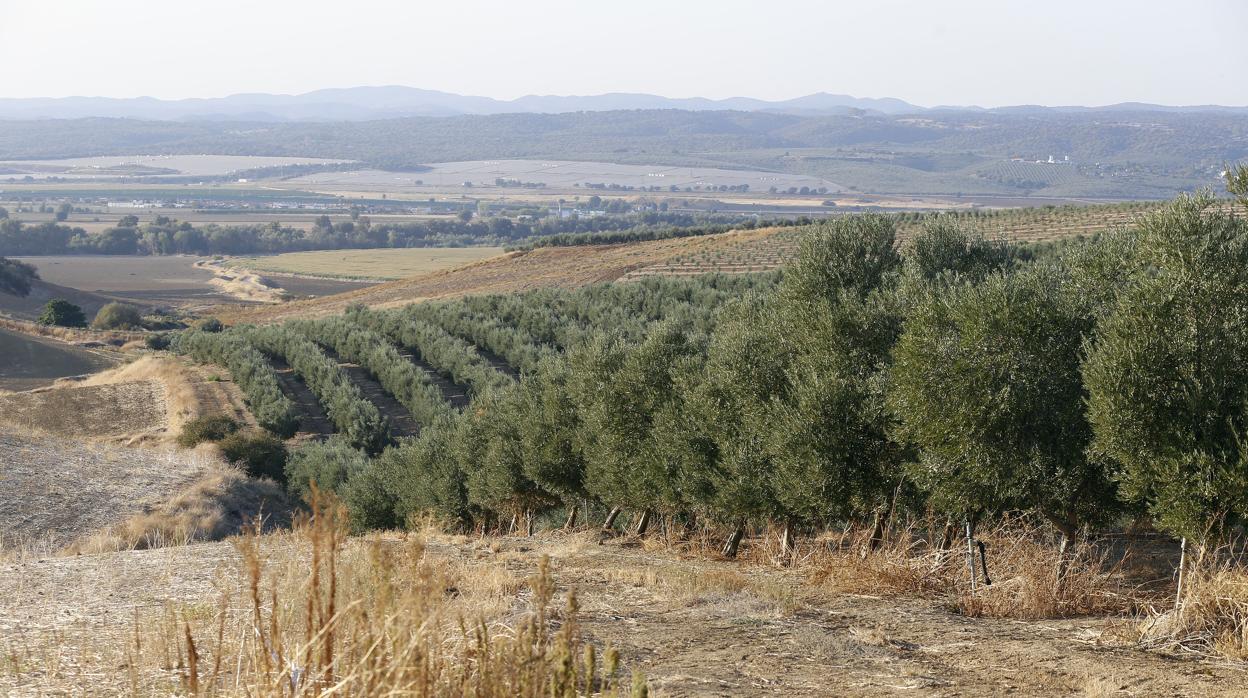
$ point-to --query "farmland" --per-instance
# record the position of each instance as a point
(31, 362)
(367, 264)
(149, 166)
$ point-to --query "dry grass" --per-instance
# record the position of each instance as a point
(544, 267)
(55, 491)
(379, 264)
(69, 334)
(1211, 618)
(216, 506)
(312, 613)
(242, 284)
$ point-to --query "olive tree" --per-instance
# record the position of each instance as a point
(1166, 376)
(986, 383)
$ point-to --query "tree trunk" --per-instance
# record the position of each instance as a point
(571, 522)
(610, 522)
(511, 528)
(877, 533)
(528, 523)
(946, 539)
(983, 562)
(734, 541)
(643, 522)
(786, 542)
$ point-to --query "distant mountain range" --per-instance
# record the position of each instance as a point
(372, 103)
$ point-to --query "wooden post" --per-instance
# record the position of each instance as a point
(970, 553)
(734, 541)
(571, 522)
(786, 542)
(1178, 592)
(529, 520)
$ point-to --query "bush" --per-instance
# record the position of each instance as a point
(16, 277)
(117, 316)
(210, 324)
(260, 454)
(159, 341)
(62, 313)
(330, 464)
(213, 427)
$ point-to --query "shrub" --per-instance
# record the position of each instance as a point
(117, 316)
(212, 427)
(260, 454)
(159, 341)
(330, 464)
(210, 324)
(62, 313)
(16, 277)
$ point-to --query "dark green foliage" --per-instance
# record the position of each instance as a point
(490, 449)
(117, 316)
(987, 385)
(424, 475)
(944, 249)
(210, 324)
(448, 355)
(330, 464)
(399, 376)
(259, 453)
(213, 427)
(250, 370)
(1166, 375)
(355, 417)
(16, 277)
(62, 313)
(550, 453)
(158, 341)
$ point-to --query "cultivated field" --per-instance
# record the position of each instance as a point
(29, 362)
(173, 280)
(563, 175)
(544, 267)
(148, 166)
(383, 264)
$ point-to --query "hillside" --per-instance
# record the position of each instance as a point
(1114, 154)
(544, 267)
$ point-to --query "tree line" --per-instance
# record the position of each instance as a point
(165, 236)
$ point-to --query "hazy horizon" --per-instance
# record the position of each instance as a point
(963, 53)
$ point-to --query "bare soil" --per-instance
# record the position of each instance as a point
(694, 627)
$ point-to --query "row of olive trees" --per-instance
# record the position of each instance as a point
(1103, 379)
(355, 418)
(397, 374)
(251, 372)
(450, 356)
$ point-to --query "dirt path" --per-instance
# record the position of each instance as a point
(498, 364)
(314, 423)
(401, 421)
(452, 392)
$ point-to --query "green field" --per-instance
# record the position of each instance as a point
(367, 264)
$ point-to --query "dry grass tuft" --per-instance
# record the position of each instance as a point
(1029, 579)
(1212, 617)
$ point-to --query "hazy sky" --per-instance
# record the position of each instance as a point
(986, 52)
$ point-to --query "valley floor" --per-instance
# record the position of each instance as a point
(694, 627)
